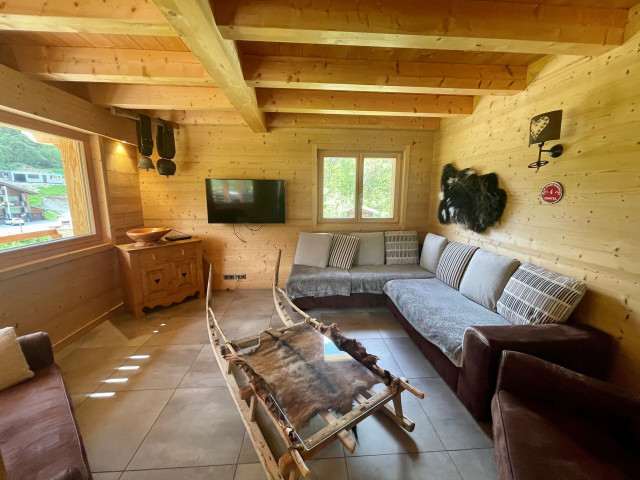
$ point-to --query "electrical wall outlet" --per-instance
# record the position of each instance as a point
(241, 276)
(228, 277)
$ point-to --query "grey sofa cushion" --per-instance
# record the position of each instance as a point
(370, 249)
(453, 263)
(313, 249)
(305, 281)
(439, 313)
(431, 251)
(486, 276)
(372, 278)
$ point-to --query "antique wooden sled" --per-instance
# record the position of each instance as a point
(306, 377)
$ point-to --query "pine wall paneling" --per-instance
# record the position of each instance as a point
(592, 233)
(235, 152)
(66, 298)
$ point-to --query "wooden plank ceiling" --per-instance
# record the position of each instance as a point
(400, 64)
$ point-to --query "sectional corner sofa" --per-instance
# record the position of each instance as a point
(461, 307)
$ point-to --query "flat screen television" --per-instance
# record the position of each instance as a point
(245, 201)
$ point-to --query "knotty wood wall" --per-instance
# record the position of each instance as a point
(69, 297)
(593, 232)
(235, 152)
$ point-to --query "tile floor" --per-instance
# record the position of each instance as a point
(174, 418)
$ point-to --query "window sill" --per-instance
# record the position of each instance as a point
(39, 264)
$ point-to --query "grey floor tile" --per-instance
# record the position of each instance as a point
(84, 369)
(181, 331)
(379, 348)
(198, 427)
(378, 435)
(247, 452)
(247, 326)
(165, 367)
(189, 308)
(353, 323)
(204, 371)
(250, 471)
(479, 464)
(113, 428)
(64, 352)
(328, 469)
(78, 399)
(121, 330)
(222, 472)
(107, 476)
(423, 466)
(410, 359)
(455, 426)
(388, 326)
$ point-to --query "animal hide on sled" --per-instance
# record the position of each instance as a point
(293, 368)
(474, 201)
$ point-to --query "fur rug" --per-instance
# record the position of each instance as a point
(474, 201)
(293, 368)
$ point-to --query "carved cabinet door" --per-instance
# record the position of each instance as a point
(156, 281)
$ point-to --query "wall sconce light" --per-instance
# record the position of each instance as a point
(545, 127)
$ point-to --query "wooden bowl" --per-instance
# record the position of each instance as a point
(147, 236)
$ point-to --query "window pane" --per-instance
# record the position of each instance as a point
(339, 184)
(378, 182)
(43, 193)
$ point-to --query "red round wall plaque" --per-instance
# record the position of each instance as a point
(551, 193)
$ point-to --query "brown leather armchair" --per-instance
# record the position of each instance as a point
(551, 422)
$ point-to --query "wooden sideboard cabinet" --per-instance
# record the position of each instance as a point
(161, 274)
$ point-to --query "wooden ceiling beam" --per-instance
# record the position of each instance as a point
(150, 97)
(363, 103)
(72, 64)
(29, 97)
(85, 16)
(311, 120)
(477, 25)
(199, 117)
(194, 22)
(383, 76)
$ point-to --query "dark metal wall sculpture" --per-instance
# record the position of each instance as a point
(474, 201)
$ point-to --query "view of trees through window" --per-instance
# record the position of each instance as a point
(34, 201)
(343, 177)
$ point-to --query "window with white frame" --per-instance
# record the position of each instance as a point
(359, 187)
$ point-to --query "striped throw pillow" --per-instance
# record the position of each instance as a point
(535, 295)
(453, 263)
(401, 248)
(343, 251)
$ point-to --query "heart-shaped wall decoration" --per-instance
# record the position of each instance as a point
(538, 125)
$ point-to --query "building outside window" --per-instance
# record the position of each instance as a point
(34, 210)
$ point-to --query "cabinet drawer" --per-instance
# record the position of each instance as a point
(164, 254)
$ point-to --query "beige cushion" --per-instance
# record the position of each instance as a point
(313, 249)
(401, 247)
(370, 249)
(13, 366)
(431, 251)
(486, 276)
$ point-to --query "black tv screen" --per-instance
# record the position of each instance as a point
(245, 201)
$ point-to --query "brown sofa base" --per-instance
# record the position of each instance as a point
(447, 370)
(355, 300)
